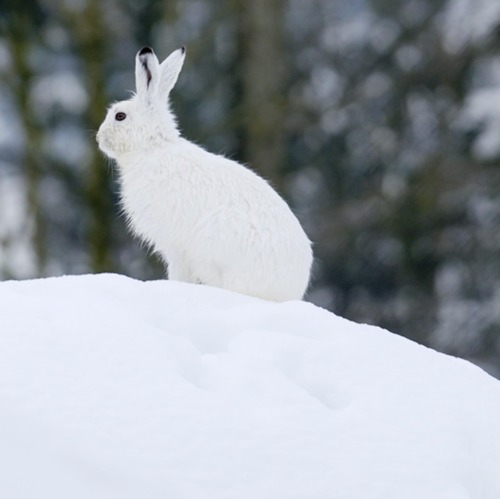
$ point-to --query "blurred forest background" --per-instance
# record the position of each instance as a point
(378, 120)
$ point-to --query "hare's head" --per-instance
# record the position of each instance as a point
(145, 120)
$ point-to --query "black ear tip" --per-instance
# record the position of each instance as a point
(183, 49)
(146, 50)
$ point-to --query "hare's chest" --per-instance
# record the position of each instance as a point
(156, 205)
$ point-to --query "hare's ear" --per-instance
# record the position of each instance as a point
(169, 71)
(147, 70)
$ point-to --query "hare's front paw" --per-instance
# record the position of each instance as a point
(178, 270)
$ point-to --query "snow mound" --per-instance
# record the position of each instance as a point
(118, 388)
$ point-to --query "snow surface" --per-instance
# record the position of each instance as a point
(115, 388)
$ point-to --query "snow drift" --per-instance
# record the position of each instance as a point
(115, 388)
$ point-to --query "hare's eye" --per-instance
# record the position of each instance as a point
(120, 116)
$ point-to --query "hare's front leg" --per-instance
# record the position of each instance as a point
(179, 270)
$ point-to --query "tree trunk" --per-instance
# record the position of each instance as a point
(91, 39)
(263, 83)
(19, 44)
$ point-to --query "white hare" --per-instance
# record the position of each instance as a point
(211, 219)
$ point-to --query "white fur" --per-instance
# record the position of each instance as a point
(213, 220)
